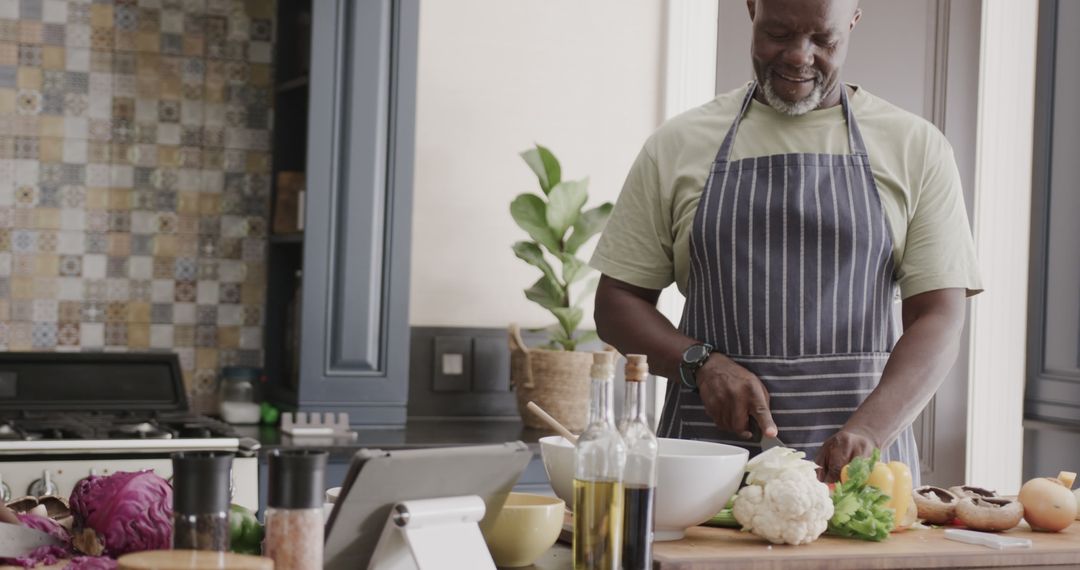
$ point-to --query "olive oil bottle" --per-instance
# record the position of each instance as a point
(599, 460)
(639, 476)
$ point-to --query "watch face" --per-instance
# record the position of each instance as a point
(695, 354)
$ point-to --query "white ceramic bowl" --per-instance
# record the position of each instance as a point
(695, 479)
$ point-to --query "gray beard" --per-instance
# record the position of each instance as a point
(801, 107)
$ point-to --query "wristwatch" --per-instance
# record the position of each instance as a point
(693, 358)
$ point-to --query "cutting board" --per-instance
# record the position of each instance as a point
(729, 549)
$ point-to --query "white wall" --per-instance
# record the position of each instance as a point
(582, 78)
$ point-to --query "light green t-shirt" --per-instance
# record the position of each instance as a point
(646, 241)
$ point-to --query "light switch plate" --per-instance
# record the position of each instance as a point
(452, 366)
(491, 364)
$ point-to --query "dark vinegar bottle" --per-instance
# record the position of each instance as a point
(639, 475)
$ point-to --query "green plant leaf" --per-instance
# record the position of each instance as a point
(590, 223)
(569, 318)
(564, 205)
(533, 255)
(546, 293)
(587, 290)
(546, 167)
(559, 337)
(530, 213)
(573, 269)
(587, 336)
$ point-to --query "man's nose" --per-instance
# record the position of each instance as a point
(799, 54)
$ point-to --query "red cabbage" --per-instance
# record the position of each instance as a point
(91, 563)
(42, 554)
(123, 512)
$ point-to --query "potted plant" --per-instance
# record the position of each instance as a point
(555, 376)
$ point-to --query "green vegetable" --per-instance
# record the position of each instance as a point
(724, 519)
(860, 510)
(269, 414)
(245, 532)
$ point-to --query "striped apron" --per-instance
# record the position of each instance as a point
(792, 277)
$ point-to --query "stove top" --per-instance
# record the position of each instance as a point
(37, 426)
(102, 402)
(55, 432)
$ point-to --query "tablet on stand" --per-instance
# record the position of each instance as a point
(379, 480)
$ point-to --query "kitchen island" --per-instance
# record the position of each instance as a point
(727, 549)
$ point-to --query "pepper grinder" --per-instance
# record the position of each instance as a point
(201, 500)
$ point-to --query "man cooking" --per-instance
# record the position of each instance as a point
(792, 213)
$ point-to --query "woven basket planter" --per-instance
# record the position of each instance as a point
(557, 380)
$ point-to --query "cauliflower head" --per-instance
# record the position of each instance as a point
(784, 506)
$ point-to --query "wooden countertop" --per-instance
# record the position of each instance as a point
(728, 549)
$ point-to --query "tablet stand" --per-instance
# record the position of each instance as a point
(433, 534)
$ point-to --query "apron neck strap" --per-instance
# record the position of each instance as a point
(855, 140)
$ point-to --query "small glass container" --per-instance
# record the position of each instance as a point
(201, 500)
(236, 395)
(294, 509)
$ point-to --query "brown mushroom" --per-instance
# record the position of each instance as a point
(936, 505)
(53, 507)
(989, 514)
(971, 491)
(23, 504)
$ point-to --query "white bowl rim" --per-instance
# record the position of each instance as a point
(732, 450)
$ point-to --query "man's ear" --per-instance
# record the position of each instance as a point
(854, 19)
(751, 6)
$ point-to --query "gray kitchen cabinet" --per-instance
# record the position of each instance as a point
(337, 320)
(1052, 392)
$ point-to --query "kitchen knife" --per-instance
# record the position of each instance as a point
(16, 540)
(770, 442)
(766, 442)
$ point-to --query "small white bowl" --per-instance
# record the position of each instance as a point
(332, 494)
(695, 479)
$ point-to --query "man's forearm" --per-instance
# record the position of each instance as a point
(915, 370)
(633, 325)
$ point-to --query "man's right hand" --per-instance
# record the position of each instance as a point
(732, 395)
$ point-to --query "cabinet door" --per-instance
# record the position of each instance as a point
(354, 345)
(1053, 383)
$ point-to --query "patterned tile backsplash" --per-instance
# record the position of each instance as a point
(135, 178)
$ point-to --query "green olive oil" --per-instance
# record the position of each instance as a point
(598, 514)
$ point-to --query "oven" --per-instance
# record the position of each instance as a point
(64, 416)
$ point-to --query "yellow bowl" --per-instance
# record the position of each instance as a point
(525, 528)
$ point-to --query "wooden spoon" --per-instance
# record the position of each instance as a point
(554, 423)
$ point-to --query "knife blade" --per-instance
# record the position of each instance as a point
(770, 442)
(16, 540)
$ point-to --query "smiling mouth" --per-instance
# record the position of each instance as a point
(794, 79)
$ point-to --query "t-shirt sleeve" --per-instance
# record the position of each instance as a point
(636, 245)
(939, 252)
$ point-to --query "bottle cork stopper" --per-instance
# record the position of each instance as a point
(603, 366)
(637, 368)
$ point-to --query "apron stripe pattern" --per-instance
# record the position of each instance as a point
(791, 276)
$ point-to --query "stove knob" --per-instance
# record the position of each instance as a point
(43, 486)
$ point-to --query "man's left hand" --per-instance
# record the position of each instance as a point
(839, 450)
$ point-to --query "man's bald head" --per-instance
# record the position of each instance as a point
(798, 48)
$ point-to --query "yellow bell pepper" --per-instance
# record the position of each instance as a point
(893, 479)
